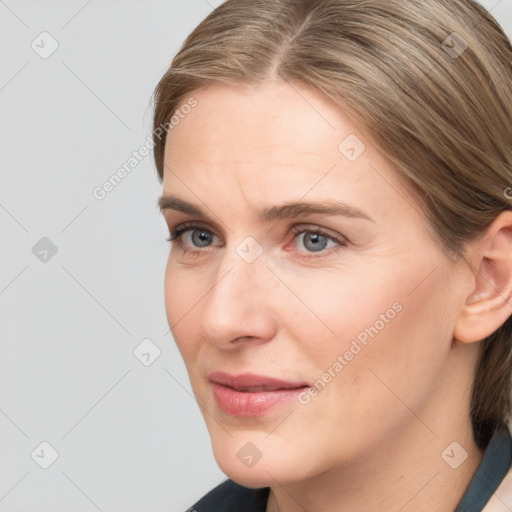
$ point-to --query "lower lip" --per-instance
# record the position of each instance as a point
(252, 403)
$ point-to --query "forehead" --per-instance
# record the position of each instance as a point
(268, 119)
(277, 142)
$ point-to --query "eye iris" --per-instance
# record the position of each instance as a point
(204, 236)
(319, 241)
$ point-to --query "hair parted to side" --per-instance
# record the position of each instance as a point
(443, 120)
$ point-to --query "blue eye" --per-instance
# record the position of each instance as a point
(199, 235)
(317, 241)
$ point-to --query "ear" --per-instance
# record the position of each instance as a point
(489, 303)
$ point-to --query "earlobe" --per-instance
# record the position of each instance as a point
(489, 303)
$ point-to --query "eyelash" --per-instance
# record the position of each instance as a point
(177, 233)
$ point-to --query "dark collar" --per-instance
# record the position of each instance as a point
(232, 497)
(495, 464)
(491, 471)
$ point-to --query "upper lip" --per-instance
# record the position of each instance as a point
(252, 382)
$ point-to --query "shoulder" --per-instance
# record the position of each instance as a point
(232, 497)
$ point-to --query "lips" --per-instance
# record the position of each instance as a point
(250, 382)
(250, 395)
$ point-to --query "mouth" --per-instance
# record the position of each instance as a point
(250, 395)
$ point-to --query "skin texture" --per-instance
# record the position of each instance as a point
(372, 439)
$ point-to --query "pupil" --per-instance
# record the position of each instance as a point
(203, 237)
(318, 244)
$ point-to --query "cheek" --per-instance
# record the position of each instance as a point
(394, 351)
(172, 290)
(183, 291)
(377, 335)
(372, 392)
(339, 306)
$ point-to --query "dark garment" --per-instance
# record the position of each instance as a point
(492, 470)
(232, 497)
(496, 462)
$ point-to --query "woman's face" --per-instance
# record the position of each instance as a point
(365, 309)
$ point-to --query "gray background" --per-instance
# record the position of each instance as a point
(129, 437)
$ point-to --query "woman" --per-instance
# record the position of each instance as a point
(336, 182)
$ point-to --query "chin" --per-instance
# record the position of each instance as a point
(248, 478)
(239, 461)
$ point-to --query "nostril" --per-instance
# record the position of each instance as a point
(243, 337)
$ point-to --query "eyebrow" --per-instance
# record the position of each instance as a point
(283, 211)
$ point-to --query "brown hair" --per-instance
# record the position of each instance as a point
(429, 80)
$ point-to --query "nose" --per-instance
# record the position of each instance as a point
(238, 307)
